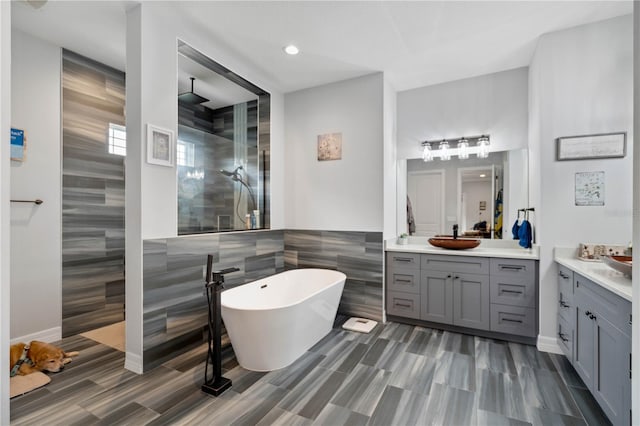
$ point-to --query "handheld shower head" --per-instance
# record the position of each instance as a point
(233, 173)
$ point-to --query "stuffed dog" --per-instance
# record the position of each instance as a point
(39, 356)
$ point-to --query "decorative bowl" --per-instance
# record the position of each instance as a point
(454, 244)
(619, 263)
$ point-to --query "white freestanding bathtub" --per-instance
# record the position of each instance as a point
(271, 322)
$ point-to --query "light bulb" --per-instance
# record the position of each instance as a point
(483, 147)
(463, 149)
(444, 150)
(427, 154)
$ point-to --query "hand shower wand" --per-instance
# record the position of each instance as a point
(214, 283)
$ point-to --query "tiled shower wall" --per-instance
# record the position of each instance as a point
(93, 96)
(175, 312)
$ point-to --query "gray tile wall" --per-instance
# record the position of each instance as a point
(175, 312)
(92, 196)
(357, 254)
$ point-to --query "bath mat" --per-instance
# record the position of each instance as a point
(22, 384)
(361, 325)
(111, 335)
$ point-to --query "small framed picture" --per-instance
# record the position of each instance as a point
(160, 149)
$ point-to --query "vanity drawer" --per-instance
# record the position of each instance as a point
(513, 320)
(462, 264)
(565, 338)
(403, 304)
(403, 260)
(511, 291)
(403, 280)
(518, 269)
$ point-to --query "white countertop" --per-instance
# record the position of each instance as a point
(597, 272)
(487, 248)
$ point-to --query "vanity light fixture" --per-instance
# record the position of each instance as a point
(463, 149)
(291, 50)
(478, 145)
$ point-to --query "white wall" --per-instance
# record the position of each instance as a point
(635, 381)
(475, 192)
(346, 194)
(582, 79)
(5, 178)
(494, 104)
(36, 260)
(151, 190)
(390, 160)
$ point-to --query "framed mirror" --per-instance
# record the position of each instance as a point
(480, 195)
(223, 148)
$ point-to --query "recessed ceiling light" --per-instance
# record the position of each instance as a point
(483, 175)
(291, 50)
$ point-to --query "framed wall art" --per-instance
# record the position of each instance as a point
(603, 145)
(160, 146)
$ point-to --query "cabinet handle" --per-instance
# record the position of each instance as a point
(402, 305)
(587, 313)
(403, 281)
(456, 277)
(561, 335)
(593, 317)
(564, 304)
(511, 267)
(563, 275)
(510, 291)
(403, 259)
(511, 320)
(449, 276)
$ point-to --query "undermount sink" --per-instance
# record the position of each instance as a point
(619, 263)
(454, 243)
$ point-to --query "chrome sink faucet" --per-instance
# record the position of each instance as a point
(455, 231)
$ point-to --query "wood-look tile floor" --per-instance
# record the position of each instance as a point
(397, 375)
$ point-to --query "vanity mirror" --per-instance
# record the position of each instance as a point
(465, 192)
(222, 149)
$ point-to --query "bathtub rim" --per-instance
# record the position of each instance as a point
(271, 308)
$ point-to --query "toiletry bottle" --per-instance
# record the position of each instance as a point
(253, 222)
(256, 214)
(247, 220)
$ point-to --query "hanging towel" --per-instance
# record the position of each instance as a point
(411, 223)
(497, 217)
(524, 233)
(515, 230)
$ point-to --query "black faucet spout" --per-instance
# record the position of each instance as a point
(455, 231)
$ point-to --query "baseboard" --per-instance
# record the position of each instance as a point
(133, 363)
(548, 344)
(51, 335)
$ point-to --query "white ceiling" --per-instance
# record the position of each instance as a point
(415, 43)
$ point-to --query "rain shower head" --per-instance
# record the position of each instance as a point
(191, 97)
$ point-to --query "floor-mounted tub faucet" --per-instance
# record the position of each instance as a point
(455, 231)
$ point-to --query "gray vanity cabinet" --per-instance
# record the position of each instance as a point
(603, 347)
(493, 295)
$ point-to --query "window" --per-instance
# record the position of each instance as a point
(117, 139)
(186, 154)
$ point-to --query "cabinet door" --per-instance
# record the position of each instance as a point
(584, 345)
(436, 297)
(612, 381)
(471, 301)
